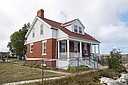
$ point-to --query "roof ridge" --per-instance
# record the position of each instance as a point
(69, 21)
(53, 21)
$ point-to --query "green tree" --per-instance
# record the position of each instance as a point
(114, 60)
(17, 41)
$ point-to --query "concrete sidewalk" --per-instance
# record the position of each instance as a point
(58, 72)
(31, 81)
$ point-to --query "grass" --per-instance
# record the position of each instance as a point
(10, 72)
(89, 78)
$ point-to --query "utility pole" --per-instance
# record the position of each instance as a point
(42, 71)
(78, 64)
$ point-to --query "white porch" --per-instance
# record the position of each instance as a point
(70, 50)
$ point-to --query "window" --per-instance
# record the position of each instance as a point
(80, 30)
(85, 49)
(31, 48)
(63, 46)
(41, 29)
(43, 47)
(33, 34)
(75, 28)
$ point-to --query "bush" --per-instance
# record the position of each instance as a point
(120, 69)
(36, 66)
(76, 68)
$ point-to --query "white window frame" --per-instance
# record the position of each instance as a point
(75, 28)
(80, 30)
(31, 48)
(44, 48)
(41, 29)
(33, 34)
(64, 42)
(85, 48)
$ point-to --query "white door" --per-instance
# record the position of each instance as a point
(76, 49)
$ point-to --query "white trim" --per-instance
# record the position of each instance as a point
(41, 59)
(37, 40)
(68, 49)
(33, 23)
(31, 26)
(44, 54)
(80, 49)
(44, 22)
(31, 48)
(65, 45)
(82, 40)
(58, 43)
(45, 41)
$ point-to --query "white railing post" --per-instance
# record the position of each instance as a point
(68, 49)
(80, 49)
(58, 49)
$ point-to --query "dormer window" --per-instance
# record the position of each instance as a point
(80, 30)
(75, 28)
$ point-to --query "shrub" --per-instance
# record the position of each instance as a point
(76, 68)
(36, 66)
(114, 60)
(120, 69)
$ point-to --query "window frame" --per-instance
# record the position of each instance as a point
(85, 48)
(33, 34)
(80, 31)
(75, 29)
(44, 43)
(41, 29)
(31, 48)
(63, 49)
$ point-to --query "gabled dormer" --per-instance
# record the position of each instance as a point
(75, 26)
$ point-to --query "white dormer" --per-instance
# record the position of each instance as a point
(75, 26)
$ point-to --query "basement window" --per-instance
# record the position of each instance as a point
(31, 48)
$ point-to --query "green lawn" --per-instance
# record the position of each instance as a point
(10, 72)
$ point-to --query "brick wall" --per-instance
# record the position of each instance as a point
(37, 51)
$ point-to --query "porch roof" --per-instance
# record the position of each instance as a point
(58, 25)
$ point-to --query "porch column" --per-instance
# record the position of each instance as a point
(58, 49)
(68, 49)
(98, 54)
(94, 49)
(80, 49)
(91, 51)
(99, 49)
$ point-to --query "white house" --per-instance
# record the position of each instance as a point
(59, 43)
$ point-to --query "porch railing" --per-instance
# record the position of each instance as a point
(63, 55)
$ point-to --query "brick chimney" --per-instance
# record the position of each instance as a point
(40, 13)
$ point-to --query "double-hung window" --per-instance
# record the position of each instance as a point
(63, 46)
(85, 49)
(75, 28)
(41, 29)
(33, 34)
(80, 30)
(43, 47)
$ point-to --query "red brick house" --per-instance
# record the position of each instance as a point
(58, 42)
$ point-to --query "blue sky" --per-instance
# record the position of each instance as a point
(106, 20)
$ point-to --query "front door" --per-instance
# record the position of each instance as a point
(75, 49)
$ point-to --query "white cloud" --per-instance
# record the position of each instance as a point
(100, 17)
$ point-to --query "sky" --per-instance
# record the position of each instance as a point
(106, 20)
